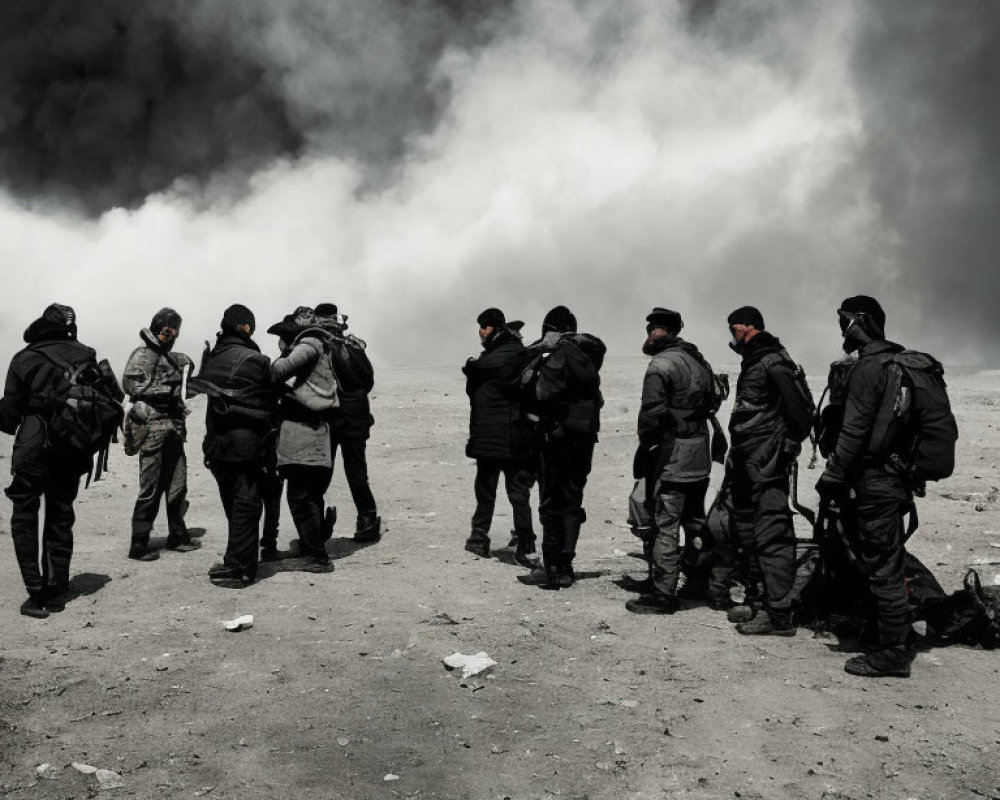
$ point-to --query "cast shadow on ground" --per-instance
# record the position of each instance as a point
(86, 583)
(160, 542)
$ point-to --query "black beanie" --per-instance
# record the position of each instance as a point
(559, 319)
(57, 322)
(666, 319)
(165, 318)
(863, 304)
(491, 318)
(237, 315)
(746, 315)
(326, 310)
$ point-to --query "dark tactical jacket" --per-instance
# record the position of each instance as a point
(865, 389)
(567, 394)
(676, 392)
(495, 429)
(766, 407)
(239, 419)
(356, 379)
(31, 378)
(152, 380)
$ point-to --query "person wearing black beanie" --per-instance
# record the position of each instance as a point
(497, 438)
(45, 469)
(155, 430)
(238, 429)
(771, 416)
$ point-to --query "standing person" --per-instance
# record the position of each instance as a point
(878, 464)
(304, 457)
(156, 428)
(37, 383)
(352, 420)
(561, 398)
(238, 423)
(497, 440)
(674, 447)
(771, 416)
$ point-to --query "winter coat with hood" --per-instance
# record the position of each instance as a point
(237, 378)
(676, 392)
(567, 394)
(152, 379)
(767, 406)
(355, 379)
(495, 428)
(24, 408)
(304, 437)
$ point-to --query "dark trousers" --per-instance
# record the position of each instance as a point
(764, 529)
(272, 485)
(162, 472)
(564, 464)
(239, 489)
(881, 502)
(305, 488)
(518, 480)
(59, 490)
(355, 470)
(677, 504)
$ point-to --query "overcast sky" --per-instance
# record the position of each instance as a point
(417, 161)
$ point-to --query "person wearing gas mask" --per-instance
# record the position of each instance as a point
(872, 494)
(155, 429)
(770, 418)
(674, 451)
(497, 438)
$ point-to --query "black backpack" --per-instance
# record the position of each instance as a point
(804, 394)
(914, 426)
(85, 409)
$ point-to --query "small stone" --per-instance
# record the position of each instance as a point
(390, 777)
(343, 741)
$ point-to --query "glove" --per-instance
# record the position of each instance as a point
(830, 488)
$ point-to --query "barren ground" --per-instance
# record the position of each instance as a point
(340, 682)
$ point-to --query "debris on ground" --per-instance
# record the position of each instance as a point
(470, 665)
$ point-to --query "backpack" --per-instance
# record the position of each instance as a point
(317, 391)
(85, 409)
(804, 395)
(829, 419)
(914, 427)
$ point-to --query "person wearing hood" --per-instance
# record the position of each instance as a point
(33, 379)
(497, 439)
(561, 400)
(304, 456)
(880, 492)
(236, 376)
(766, 426)
(674, 450)
(155, 428)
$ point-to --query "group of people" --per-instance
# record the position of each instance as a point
(271, 426)
(535, 417)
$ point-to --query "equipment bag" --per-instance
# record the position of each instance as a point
(805, 396)
(914, 424)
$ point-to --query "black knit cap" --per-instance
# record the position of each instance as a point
(57, 322)
(863, 304)
(747, 315)
(664, 318)
(559, 319)
(165, 318)
(326, 310)
(237, 315)
(491, 318)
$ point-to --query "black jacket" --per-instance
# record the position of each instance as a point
(865, 389)
(567, 393)
(767, 404)
(355, 380)
(239, 419)
(23, 409)
(494, 422)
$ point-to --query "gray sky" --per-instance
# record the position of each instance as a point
(416, 162)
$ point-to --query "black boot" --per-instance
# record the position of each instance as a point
(369, 528)
(34, 607)
(654, 603)
(891, 662)
(768, 623)
(478, 544)
(524, 544)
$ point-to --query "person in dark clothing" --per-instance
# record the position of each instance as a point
(156, 428)
(677, 395)
(38, 470)
(561, 399)
(303, 454)
(766, 426)
(497, 440)
(881, 495)
(238, 423)
(352, 420)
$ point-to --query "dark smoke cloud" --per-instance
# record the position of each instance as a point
(108, 101)
(928, 76)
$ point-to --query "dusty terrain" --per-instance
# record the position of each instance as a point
(340, 683)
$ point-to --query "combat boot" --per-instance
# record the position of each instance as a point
(654, 603)
(478, 544)
(892, 662)
(768, 623)
(34, 607)
(744, 612)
